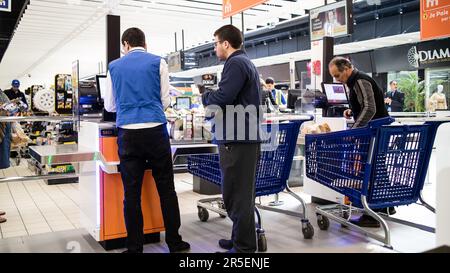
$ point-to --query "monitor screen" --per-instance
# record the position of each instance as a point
(101, 86)
(335, 92)
(331, 20)
(293, 96)
(183, 103)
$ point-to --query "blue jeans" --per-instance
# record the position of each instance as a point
(5, 147)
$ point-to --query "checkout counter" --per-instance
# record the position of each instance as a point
(101, 190)
(100, 185)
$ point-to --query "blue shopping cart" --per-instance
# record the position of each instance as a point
(378, 166)
(272, 174)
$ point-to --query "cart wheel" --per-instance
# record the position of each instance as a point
(203, 214)
(308, 231)
(262, 242)
(323, 222)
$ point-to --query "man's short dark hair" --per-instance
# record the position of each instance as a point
(270, 80)
(391, 82)
(341, 63)
(134, 37)
(231, 34)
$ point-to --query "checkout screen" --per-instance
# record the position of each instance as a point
(335, 93)
(102, 86)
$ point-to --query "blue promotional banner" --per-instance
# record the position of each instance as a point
(5, 5)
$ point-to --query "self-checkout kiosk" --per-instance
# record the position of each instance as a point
(101, 202)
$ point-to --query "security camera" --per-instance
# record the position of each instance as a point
(29, 75)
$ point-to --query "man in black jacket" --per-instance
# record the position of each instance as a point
(366, 103)
(395, 98)
(15, 93)
(237, 134)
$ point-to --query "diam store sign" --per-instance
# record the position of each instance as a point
(232, 7)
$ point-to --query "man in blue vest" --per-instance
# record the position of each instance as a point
(138, 91)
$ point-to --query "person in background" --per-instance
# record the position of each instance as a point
(5, 144)
(276, 94)
(366, 103)
(138, 90)
(266, 95)
(15, 93)
(394, 99)
(239, 87)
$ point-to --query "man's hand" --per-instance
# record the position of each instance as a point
(348, 113)
(388, 101)
(201, 88)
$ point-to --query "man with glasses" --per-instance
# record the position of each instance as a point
(239, 150)
(138, 91)
(15, 93)
(394, 99)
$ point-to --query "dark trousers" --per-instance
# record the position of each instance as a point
(139, 150)
(238, 165)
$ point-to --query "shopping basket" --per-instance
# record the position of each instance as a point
(378, 166)
(272, 173)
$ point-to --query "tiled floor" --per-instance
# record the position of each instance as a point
(35, 209)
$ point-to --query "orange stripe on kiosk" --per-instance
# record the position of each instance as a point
(112, 225)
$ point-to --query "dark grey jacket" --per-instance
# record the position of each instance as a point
(366, 99)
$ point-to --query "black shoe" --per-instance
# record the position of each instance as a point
(366, 221)
(226, 244)
(388, 210)
(179, 247)
(131, 251)
(232, 250)
(392, 211)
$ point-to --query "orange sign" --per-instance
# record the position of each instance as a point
(434, 19)
(232, 7)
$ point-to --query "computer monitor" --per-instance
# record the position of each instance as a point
(183, 103)
(335, 92)
(101, 86)
(293, 96)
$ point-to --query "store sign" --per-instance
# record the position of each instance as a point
(232, 7)
(420, 58)
(208, 79)
(434, 19)
(5, 5)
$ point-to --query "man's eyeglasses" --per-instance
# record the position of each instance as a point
(216, 42)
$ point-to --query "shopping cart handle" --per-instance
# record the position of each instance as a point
(376, 123)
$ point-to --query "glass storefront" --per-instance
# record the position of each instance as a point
(437, 89)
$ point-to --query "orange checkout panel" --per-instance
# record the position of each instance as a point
(101, 203)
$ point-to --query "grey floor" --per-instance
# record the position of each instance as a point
(42, 218)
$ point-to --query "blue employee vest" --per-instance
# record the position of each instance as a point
(136, 82)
